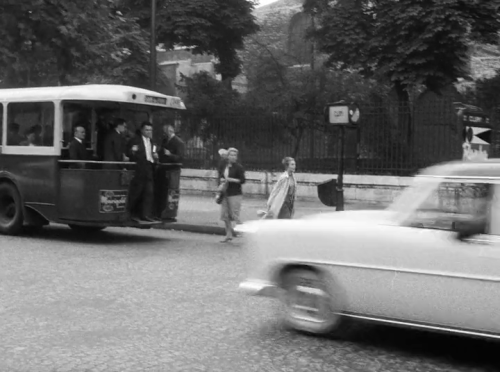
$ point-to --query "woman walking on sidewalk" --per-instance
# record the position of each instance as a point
(232, 175)
(281, 202)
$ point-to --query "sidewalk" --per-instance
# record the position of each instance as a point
(200, 213)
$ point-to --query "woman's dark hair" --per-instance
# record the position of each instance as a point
(286, 161)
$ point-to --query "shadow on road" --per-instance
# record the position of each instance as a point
(459, 351)
(105, 237)
(446, 352)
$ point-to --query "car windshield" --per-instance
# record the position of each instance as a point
(415, 194)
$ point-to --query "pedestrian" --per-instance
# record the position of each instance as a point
(219, 194)
(233, 175)
(142, 152)
(280, 204)
(172, 147)
(115, 145)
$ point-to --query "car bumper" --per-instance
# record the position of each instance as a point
(259, 288)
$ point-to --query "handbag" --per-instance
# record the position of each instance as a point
(221, 193)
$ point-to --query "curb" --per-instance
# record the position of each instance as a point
(199, 229)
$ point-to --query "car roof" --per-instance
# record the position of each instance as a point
(484, 169)
(92, 92)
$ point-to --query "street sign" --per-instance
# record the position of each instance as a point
(340, 113)
(476, 135)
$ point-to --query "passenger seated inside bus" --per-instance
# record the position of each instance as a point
(13, 136)
(77, 150)
(30, 137)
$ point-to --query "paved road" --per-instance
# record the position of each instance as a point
(202, 209)
(130, 300)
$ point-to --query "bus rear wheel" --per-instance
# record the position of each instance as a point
(11, 210)
(83, 228)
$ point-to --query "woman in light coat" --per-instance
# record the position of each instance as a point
(281, 202)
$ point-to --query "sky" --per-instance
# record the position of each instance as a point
(265, 2)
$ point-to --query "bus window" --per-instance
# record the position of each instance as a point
(77, 114)
(1, 124)
(30, 124)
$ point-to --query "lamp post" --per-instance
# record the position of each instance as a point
(343, 115)
(152, 67)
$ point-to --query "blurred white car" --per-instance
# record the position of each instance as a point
(431, 260)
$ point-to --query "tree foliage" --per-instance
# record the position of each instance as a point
(301, 93)
(216, 27)
(47, 42)
(410, 42)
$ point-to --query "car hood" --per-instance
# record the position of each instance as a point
(376, 217)
(365, 216)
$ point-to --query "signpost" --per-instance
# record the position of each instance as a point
(476, 132)
(344, 116)
(476, 136)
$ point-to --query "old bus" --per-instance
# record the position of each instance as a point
(38, 183)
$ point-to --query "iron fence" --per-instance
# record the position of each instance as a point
(389, 140)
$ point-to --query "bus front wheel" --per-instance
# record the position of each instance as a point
(11, 210)
(83, 228)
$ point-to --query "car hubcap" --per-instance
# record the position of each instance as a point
(308, 303)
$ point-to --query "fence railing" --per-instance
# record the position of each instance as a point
(392, 140)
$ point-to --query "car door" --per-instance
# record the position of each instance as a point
(444, 281)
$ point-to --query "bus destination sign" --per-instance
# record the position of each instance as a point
(156, 100)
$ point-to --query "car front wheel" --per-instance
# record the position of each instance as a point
(310, 304)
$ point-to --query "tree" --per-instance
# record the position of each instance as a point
(46, 42)
(410, 42)
(216, 27)
(300, 94)
(207, 99)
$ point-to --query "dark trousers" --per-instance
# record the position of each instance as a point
(142, 193)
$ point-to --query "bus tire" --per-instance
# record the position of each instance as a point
(83, 228)
(11, 209)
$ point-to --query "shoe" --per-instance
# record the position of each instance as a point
(135, 219)
(149, 219)
(227, 240)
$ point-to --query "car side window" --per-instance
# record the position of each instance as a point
(452, 204)
(30, 124)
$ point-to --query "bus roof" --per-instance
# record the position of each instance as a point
(94, 92)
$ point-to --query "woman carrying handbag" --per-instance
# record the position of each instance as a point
(231, 176)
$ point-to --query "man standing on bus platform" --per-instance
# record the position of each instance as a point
(114, 145)
(172, 147)
(142, 152)
(77, 150)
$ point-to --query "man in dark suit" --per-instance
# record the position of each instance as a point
(172, 147)
(77, 150)
(115, 146)
(142, 152)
